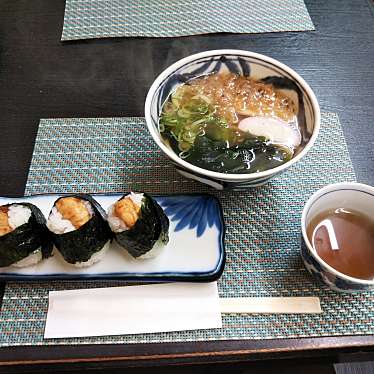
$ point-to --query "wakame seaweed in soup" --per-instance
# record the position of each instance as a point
(230, 124)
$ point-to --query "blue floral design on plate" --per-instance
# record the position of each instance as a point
(198, 212)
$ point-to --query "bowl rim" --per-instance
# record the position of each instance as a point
(360, 187)
(223, 176)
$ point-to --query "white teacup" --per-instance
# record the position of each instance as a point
(355, 196)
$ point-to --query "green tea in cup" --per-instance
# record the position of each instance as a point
(344, 239)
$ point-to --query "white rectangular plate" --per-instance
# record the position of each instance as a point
(195, 251)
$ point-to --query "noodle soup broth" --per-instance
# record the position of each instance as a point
(230, 123)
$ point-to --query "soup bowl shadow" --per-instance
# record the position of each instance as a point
(351, 196)
(254, 65)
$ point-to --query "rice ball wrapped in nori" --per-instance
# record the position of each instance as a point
(139, 224)
(79, 229)
(24, 237)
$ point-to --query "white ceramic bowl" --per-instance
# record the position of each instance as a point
(355, 196)
(251, 64)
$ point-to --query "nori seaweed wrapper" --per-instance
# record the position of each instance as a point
(79, 245)
(151, 226)
(25, 239)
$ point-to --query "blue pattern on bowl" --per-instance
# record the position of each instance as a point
(325, 276)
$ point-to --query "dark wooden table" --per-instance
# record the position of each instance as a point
(40, 77)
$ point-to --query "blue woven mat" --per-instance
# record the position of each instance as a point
(87, 19)
(262, 241)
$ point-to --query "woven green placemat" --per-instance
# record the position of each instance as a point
(87, 19)
(262, 237)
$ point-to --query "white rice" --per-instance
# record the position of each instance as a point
(115, 223)
(32, 259)
(96, 257)
(18, 215)
(59, 225)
